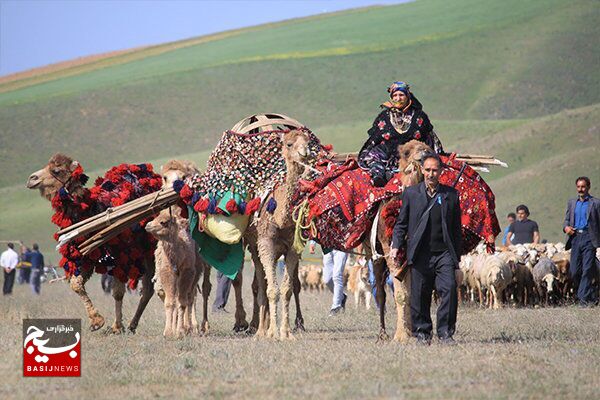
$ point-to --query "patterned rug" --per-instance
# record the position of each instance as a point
(343, 203)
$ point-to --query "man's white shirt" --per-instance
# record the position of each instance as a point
(9, 259)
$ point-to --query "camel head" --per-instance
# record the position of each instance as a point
(409, 162)
(56, 174)
(295, 146)
(164, 226)
(177, 170)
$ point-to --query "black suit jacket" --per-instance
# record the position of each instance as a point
(409, 232)
(593, 218)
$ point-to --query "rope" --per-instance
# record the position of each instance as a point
(299, 214)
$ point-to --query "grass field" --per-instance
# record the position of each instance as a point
(508, 353)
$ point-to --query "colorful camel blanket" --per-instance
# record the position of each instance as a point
(241, 171)
(343, 203)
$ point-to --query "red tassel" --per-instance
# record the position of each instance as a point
(252, 206)
(186, 194)
(327, 147)
(201, 205)
(231, 206)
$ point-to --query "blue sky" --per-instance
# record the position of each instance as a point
(41, 32)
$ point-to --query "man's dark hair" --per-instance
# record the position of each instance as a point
(429, 155)
(11, 246)
(585, 179)
(35, 246)
(524, 208)
(512, 215)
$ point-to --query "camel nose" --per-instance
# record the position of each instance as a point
(33, 181)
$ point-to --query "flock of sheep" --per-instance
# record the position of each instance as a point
(521, 275)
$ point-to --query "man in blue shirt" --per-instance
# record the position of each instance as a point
(510, 218)
(37, 267)
(582, 225)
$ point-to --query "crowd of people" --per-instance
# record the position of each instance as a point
(27, 267)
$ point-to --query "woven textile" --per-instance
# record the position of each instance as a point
(247, 165)
(343, 203)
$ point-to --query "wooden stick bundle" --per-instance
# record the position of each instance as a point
(470, 159)
(108, 224)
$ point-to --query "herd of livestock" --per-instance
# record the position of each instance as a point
(518, 275)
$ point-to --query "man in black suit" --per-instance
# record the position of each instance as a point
(582, 225)
(429, 227)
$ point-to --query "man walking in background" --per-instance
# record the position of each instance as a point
(429, 227)
(523, 230)
(582, 225)
(9, 260)
(37, 267)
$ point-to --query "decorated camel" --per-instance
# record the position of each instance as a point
(342, 209)
(127, 256)
(271, 235)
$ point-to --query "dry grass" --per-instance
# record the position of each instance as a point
(510, 353)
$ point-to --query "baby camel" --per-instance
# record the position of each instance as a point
(178, 267)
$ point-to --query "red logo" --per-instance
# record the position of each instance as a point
(52, 347)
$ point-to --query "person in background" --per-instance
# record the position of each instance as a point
(8, 261)
(222, 292)
(523, 230)
(582, 225)
(510, 218)
(24, 271)
(36, 259)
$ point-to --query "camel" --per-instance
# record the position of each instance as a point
(409, 162)
(55, 176)
(178, 269)
(270, 236)
(180, 170)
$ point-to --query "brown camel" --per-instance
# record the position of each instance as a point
(270, 236)
(178, 269)
(49, 180)
(409, 162)
(180, 170)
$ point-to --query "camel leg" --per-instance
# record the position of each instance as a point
(402, 298)
(268, 259)
(240, 314)
(77, 284)
(195, 325)
(291, 267)
(118, 291)
(356, 298)
(170, 316)
(379, 269)
(206, 287)
(256, 314)
(299, 322)
(147, 292)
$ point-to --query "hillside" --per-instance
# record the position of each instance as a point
(516, 79)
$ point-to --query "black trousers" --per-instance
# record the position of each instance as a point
(428, 271)
(222, 292)
(583, 267)
(9, 281)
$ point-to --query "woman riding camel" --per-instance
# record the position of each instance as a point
(401, 120)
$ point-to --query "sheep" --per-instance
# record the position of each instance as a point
(496, 276)
(545, 276)
(522, 286)
(563, 263)
(475, 275)
(178, 267)
(311, 277)
(358, 283)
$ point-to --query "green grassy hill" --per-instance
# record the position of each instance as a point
(516, 79)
